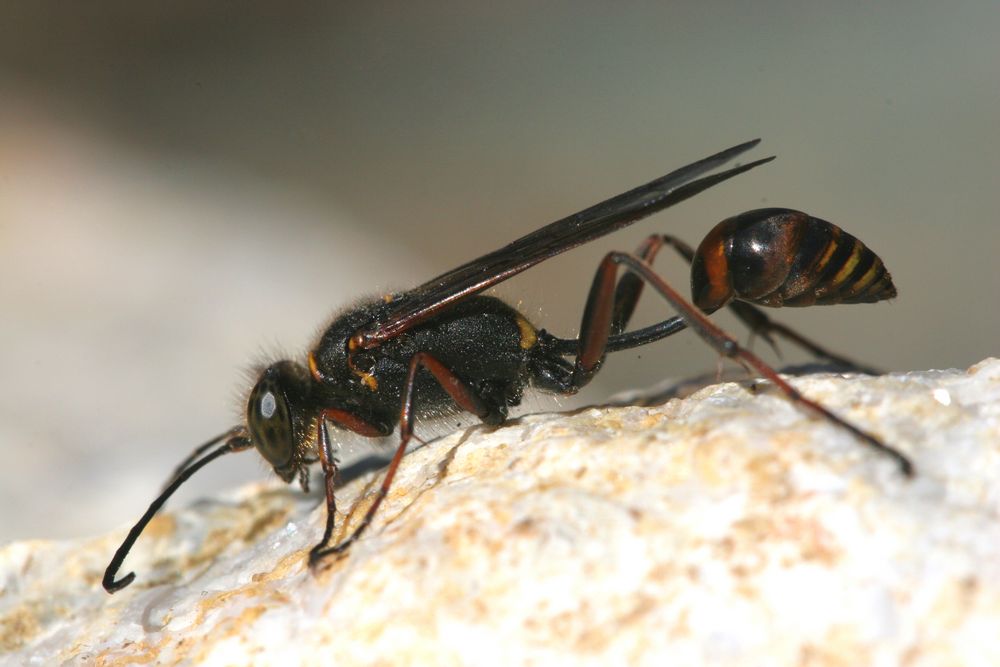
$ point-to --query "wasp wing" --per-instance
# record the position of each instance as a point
(612, 214)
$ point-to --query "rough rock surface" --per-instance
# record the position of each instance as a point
(728, 528)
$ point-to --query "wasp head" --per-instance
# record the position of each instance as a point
(278, 417)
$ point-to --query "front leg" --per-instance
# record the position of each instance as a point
(468, 398)
(351, 422)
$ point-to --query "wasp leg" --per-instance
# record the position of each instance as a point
(762, 325)
(595, 330)
(629, 287)
(354, 423)
(460, 391)
(552, 373)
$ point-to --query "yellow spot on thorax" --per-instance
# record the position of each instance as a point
(368, 379)
(528, 335)
(313, 368)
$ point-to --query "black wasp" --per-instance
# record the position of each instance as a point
(392, 360)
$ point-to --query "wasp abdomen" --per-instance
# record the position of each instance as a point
(780, 257)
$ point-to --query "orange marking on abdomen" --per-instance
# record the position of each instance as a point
(713, 254)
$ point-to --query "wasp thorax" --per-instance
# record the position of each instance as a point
(274, 416)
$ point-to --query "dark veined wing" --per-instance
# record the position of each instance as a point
(610, 215)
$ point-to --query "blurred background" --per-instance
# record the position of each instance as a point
(188, 189)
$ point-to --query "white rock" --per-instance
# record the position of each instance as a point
(729, 528)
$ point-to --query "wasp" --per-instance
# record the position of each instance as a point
(390, 361)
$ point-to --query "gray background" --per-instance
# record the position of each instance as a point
(192, 188)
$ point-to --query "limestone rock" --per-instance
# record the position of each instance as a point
(727, 528)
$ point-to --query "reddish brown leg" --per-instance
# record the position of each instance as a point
(595, 329)
(762, 325)
(351, 422)
(629, 287)
(329, 465)
(459, 391)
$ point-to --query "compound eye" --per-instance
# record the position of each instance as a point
(270, 422)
